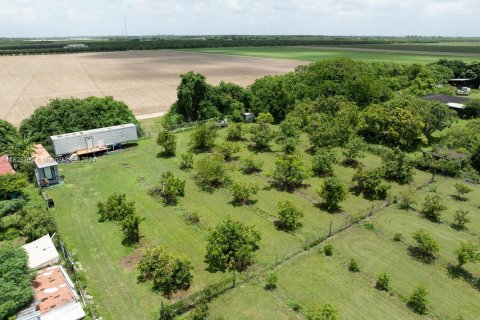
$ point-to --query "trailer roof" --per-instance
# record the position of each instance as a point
(42, 158)
(84, 132)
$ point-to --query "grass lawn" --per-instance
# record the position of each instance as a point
(320, 53)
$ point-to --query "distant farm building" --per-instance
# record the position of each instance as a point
(75, 46)
(93, 141)
(451, 101)
(463, 82)
(248, 116)
(5, 166)
(46, 168)
(41, 253)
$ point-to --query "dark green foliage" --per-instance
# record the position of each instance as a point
(322, 162)
(11, 184)
(169, 188)
(446, 167)
(467, 252)
(353, 266)
(168, 141)
(289, 172)
(369, 225)
(227, 150)
(475, 159)
(369, 182)
(130, 228)
(203, 138)
(15, 281)
(166, 271)
(200, 312)
(271, 281)
(398, 237)
(116, 208)
(35, 223)
(432, 207)
(249, 165)
(418, 300)
(332, 192)
(271, 94)
(289, 215)
(261, 136)
(231, 246)
(210, 172)
(325, 312)
(328, 249)
(397, 166)
(472, 110)
(383, 282)
(8, 207)
(71, 115)
(460, 219)
(242, 192)
(235, 132)
(7, 131)
(186, 161)
(425, 243)
(192, 101)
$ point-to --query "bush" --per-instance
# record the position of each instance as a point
(242, 192)
(249, 165)
(35, 223)
(289, 172)
(332, 192)
(116, 208)
(397, 166)
(261, 136)
(460, 219)
(467, 252)
(383, 282)
(328, 249)
(354, 148)
(462, 190)
(9, 207)
(210, 172)
(200, 312)
(398, 237)
(369, 225)
(227, 150)
(325, 312)
(235, 132)
(432, 208)
(407, 200)
(167, 140)
(426, 244)
(369, 182)
(418, 300)
(322, 162)
(166, 271)
(289, 215)
(193, 217)
(353, 266)
(169, 188)
(186, 161)
(271, 281)
(203, 138)
(130, 228)
(11, 184)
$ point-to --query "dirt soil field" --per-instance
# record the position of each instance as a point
(145, 80)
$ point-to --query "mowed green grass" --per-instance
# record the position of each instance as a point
(320, 53)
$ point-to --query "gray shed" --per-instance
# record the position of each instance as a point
(96, 140)
(46, 168)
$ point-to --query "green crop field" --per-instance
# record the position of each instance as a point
(370, 53)
(306, 277)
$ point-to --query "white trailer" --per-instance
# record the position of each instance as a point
(89, 141)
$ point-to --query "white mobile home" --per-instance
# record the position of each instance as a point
(96, 140)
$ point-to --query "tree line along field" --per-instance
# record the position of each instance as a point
(305, 276)
(401, 53)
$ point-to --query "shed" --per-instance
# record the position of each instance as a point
(248, 116)
(41, 253)
(5, 166)
(46, 168)
(92, 141)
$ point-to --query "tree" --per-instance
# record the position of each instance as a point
(271, 281)
(397, 166)
(186, 161)
(35, 223)
(235, 132)
(192, 101)
(166, 271)
(383, 282)
(353, 266)
(289, 135)
(249, 165)
(432, 207)
(271, 94)
(289, 215)
(11, 184)
(242, 192)
(322, 162)
(332, 192)
(130, 228)
(203, 138)
(261, 136)
(16, 281)
(7, 130)
(407, 200)
(231, 246)
(467, 252)
(21, 147)
(325, 312)
(369, 182)
(210, 172)
(170, 188)
(475, 158)
(354, 148)
(289, 172)
(462, 190)
(460, 219)
(425, 243)
(167, 140)
(227, 150)
(116, 208)
(418, 300)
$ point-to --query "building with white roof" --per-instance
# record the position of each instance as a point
(41, 253)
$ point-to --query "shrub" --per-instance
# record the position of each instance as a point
(35, 223)
(383, 282)
(210, 172)
(11, 184)
(354, 148)
(328, 249)
(397, 166)
(418, 300)
(116, 208)
(9, 207)
(235, 132)
(167, 140)
(203, 138)
(432, 208)
(249, 165)
(289, 215)
(325, 312)
(332, 192)
(193, 217)
(369, 182)
(353, 266)
(242, 192)
(462, 190)
(130, 228)
(398, 237)
(231, 246)
(227, 150)
(271, 281)
(261, 136)
(200, 312)
(169, 188)
(289, 172)
(467, 252)
(460, 219)
(186, 161)
(426, 244)
(322, 162)
(166, 271)
(369, 225)
(407, 200)
(294, 305)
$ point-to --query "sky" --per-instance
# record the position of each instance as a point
(47, 18)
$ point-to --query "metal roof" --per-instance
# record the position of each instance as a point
(85, 132)
(41, 252)
(42, 158)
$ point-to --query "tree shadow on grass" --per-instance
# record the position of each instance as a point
(456, 272)
(420, 255)
(247, 202)
(323, 206)
(165, 155)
